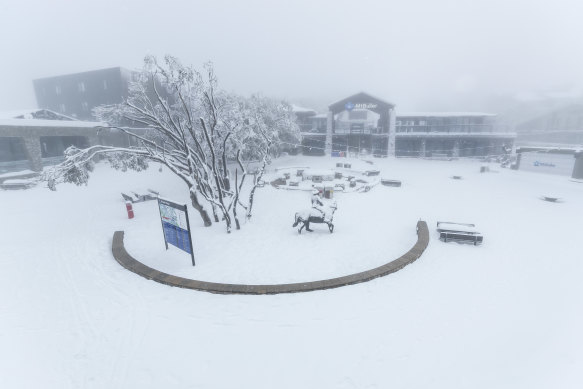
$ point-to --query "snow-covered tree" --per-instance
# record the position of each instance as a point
(196, 130)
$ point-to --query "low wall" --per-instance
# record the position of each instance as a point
(121, 255)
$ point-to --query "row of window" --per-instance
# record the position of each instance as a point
(84, 107)
(80, 87)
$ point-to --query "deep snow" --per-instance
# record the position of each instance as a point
(507, 314)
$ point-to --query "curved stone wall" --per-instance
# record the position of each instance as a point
(127, 261)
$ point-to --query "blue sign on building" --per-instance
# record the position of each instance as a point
(349, 106)
(175, 225)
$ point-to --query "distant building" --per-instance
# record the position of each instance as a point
(32, 139)
(450, 134)
(363, 124)
(77, 94)
(561, 127)
(354, 125)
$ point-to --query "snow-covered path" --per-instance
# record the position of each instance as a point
(507, 314)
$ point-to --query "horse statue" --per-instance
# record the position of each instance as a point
(323, 215)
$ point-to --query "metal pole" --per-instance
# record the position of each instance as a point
(189, 236)
(162, 223)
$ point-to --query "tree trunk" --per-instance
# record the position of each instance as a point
(214, 208)
(198, 206)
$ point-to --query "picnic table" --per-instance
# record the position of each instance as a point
(138, 198)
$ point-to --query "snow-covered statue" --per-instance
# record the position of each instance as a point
(506, 157)
(322, 211)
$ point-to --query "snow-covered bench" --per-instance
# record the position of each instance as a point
(459, 232)
(17, 184)
(386, 182)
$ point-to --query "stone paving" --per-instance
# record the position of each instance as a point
(127, 261)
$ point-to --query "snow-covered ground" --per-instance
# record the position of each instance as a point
(507, 314)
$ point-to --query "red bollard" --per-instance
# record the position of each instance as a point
(130, 210)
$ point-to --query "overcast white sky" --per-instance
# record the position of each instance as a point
(419, 54)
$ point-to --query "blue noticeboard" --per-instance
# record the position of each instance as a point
(175, 225)
(177, 236)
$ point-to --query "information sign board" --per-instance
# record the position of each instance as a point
(175, 225)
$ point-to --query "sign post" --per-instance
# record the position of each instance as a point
(175, 225)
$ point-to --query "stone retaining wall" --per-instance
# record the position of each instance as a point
(126, 260)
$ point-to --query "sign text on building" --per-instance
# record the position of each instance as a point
(350, 106)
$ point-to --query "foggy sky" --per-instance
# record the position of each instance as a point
(418, 54)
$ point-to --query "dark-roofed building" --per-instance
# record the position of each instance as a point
(359, 124)
(77, 94)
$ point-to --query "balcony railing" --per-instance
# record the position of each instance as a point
(446, 128)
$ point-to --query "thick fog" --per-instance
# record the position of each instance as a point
(419, 54)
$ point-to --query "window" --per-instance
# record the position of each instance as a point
(81, 86)
(85, 106)
(357, 115)
(58, 90)
(62, 107)
(104, 84)
(398, 123)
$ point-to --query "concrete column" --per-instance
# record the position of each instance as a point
(493, 148)
(392, 130)
(329, 127)
(33, 151)
(578, 168)
(423, 147)
(456, 149)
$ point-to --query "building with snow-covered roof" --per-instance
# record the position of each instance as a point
(450, 134)
(363, 124)
(32, 139)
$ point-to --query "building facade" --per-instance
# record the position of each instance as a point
(358, 124)
(363, 124)
(77, 94)
(450, 135)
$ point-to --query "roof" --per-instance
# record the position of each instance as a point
(298, 109)
(73, 75)
(49, 123)
(551, 150)
(504, 135)
(443, 114)
(35, 113)
(361, 98)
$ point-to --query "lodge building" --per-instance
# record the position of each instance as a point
(363, 124)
